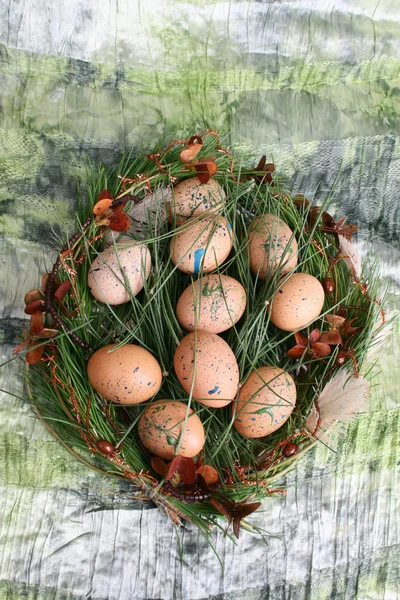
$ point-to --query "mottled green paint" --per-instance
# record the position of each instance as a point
(306, 106)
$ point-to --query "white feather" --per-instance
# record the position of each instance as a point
(352, 255)
(153, 209)
(339, 402)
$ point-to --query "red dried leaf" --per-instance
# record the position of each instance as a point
(209, 474)
(33, 356)
(182, 471)
(119, 221)
(62, 290)
(36, 323)
(35, 306)
(159, 466)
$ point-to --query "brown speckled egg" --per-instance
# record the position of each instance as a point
(191, 198)
(266, 401)
(128, 375)
(297, 303)
(269, 239)
(201, 245)
(213, 303)
(160, 429)
(216, 378)
(116, 269)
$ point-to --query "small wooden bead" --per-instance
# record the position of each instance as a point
(341, 358)
(290, 450)
(105, 447)
(328, 285)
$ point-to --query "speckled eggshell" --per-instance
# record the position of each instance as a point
(109, 270)
(203, 245)
(297, 303)
(128, 375)
(264, 408)
(213, 303)
(269, 238)
(191, 198)
(160, 428)
(217, 373)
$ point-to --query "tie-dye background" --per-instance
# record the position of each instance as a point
(315, 84)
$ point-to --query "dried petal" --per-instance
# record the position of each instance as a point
(62, 290)
(45, 279)
(199, 460)
(241, 513)
(332, 337)
(104, 194)
(195, 139)
(47, 333)
(301, 340)
(188, 154)
(121, 205)
(159, 466)
(36, 323)
(33, 356)
(335, 321)
(300, 201)
(296, 352)
(119, 221)
(261, 163)
(321, 349)
(18, 349)
(328, 220)
(101, 206)
(266, 171)
(209, 473)
(222, 507)
(348, 230)
(202, 483)
(182, 471)
(205, 170)
(314, 336)
(34, 306)
(33, 295)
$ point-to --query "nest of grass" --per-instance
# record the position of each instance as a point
(233, 473)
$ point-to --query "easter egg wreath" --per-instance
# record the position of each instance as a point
(201, 330)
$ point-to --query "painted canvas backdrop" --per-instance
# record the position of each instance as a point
(315, 86)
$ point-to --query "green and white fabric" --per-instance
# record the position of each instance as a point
(315, 85)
